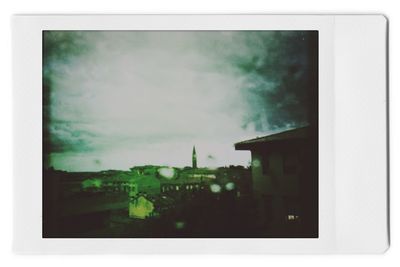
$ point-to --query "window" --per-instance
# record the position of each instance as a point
(292, 217)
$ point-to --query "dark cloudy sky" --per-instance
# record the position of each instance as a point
(113, 100)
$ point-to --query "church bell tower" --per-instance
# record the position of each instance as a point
(194, 158)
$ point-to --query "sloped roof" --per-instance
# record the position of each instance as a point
(298, 133)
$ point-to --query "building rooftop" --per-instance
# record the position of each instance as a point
(298, 133)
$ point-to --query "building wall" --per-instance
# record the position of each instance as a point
(272, 180)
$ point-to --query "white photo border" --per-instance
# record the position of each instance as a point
(338, 228)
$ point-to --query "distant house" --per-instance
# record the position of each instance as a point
(140, 207)
(183, 184)
(284, 170)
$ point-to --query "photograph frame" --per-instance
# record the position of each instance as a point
(332, 237)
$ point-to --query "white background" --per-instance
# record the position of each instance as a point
(118, 6)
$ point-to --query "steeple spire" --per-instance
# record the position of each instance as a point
(194, 158)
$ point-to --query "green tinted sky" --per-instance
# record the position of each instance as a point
(119, 99)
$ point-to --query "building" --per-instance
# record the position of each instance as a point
(140, 207)
(183, 184)
(284, 169)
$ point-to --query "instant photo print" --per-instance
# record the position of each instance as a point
(200, 134)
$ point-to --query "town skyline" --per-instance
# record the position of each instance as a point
(189, 164)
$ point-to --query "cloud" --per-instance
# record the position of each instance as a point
(127, 98)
